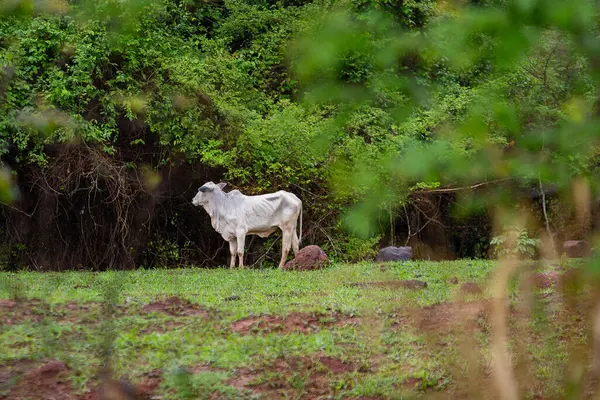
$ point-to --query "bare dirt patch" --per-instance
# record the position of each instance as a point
(411, 383)
(336, 366)
(347, 321)
(296, 377)
(34, 310)
(545, 281)
(122, 389)
(11, 371)
(7, 303)
(471, 288)
(450, 314)
(17, 312)
(87, 313)
(294, 322)
(442, 316)
(49, 381)
(244, 378)
(149, 383)
(175, 306)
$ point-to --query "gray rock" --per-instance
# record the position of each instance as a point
(392, 253)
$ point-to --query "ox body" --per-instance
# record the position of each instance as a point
(235, 215)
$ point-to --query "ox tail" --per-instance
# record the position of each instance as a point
(300, 236)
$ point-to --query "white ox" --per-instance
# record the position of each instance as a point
(235, 215)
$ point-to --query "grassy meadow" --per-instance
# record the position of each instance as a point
(231, 334)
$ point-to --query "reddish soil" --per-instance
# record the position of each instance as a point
(16, 312)
(243, 379)
(410, 383)
(176, 307)
(451, 314)
(471, 288)
(316, 382)
(7, 303)
(122, 389)
(442, 316)
(49, 381)
(11, 371)
(336, 366)
(293, 322)
(88, 313)
(347, 321)
(149, 383)
(545, 281)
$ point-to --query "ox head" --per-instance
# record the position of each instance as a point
(205, 192)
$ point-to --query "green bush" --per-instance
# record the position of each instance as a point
(523, 246)
(353, 104)
(355, 249)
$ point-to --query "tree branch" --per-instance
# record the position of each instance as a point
(458, 189)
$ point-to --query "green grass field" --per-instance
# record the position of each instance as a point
(221, 334)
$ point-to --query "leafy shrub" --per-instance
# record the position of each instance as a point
(355, 249)
(524, 245)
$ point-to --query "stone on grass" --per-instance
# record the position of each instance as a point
(471, 288)
(392, 253)
(576, 248)
(308, 258)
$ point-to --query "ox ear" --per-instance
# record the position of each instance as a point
(222, 185)
(205, 189)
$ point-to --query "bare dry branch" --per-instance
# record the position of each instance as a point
(458, 189)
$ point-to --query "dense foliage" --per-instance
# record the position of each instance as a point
(113, 112)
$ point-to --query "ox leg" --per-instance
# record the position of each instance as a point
(295, 242)
(285, 246)
(232, 252)
(241, 238)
